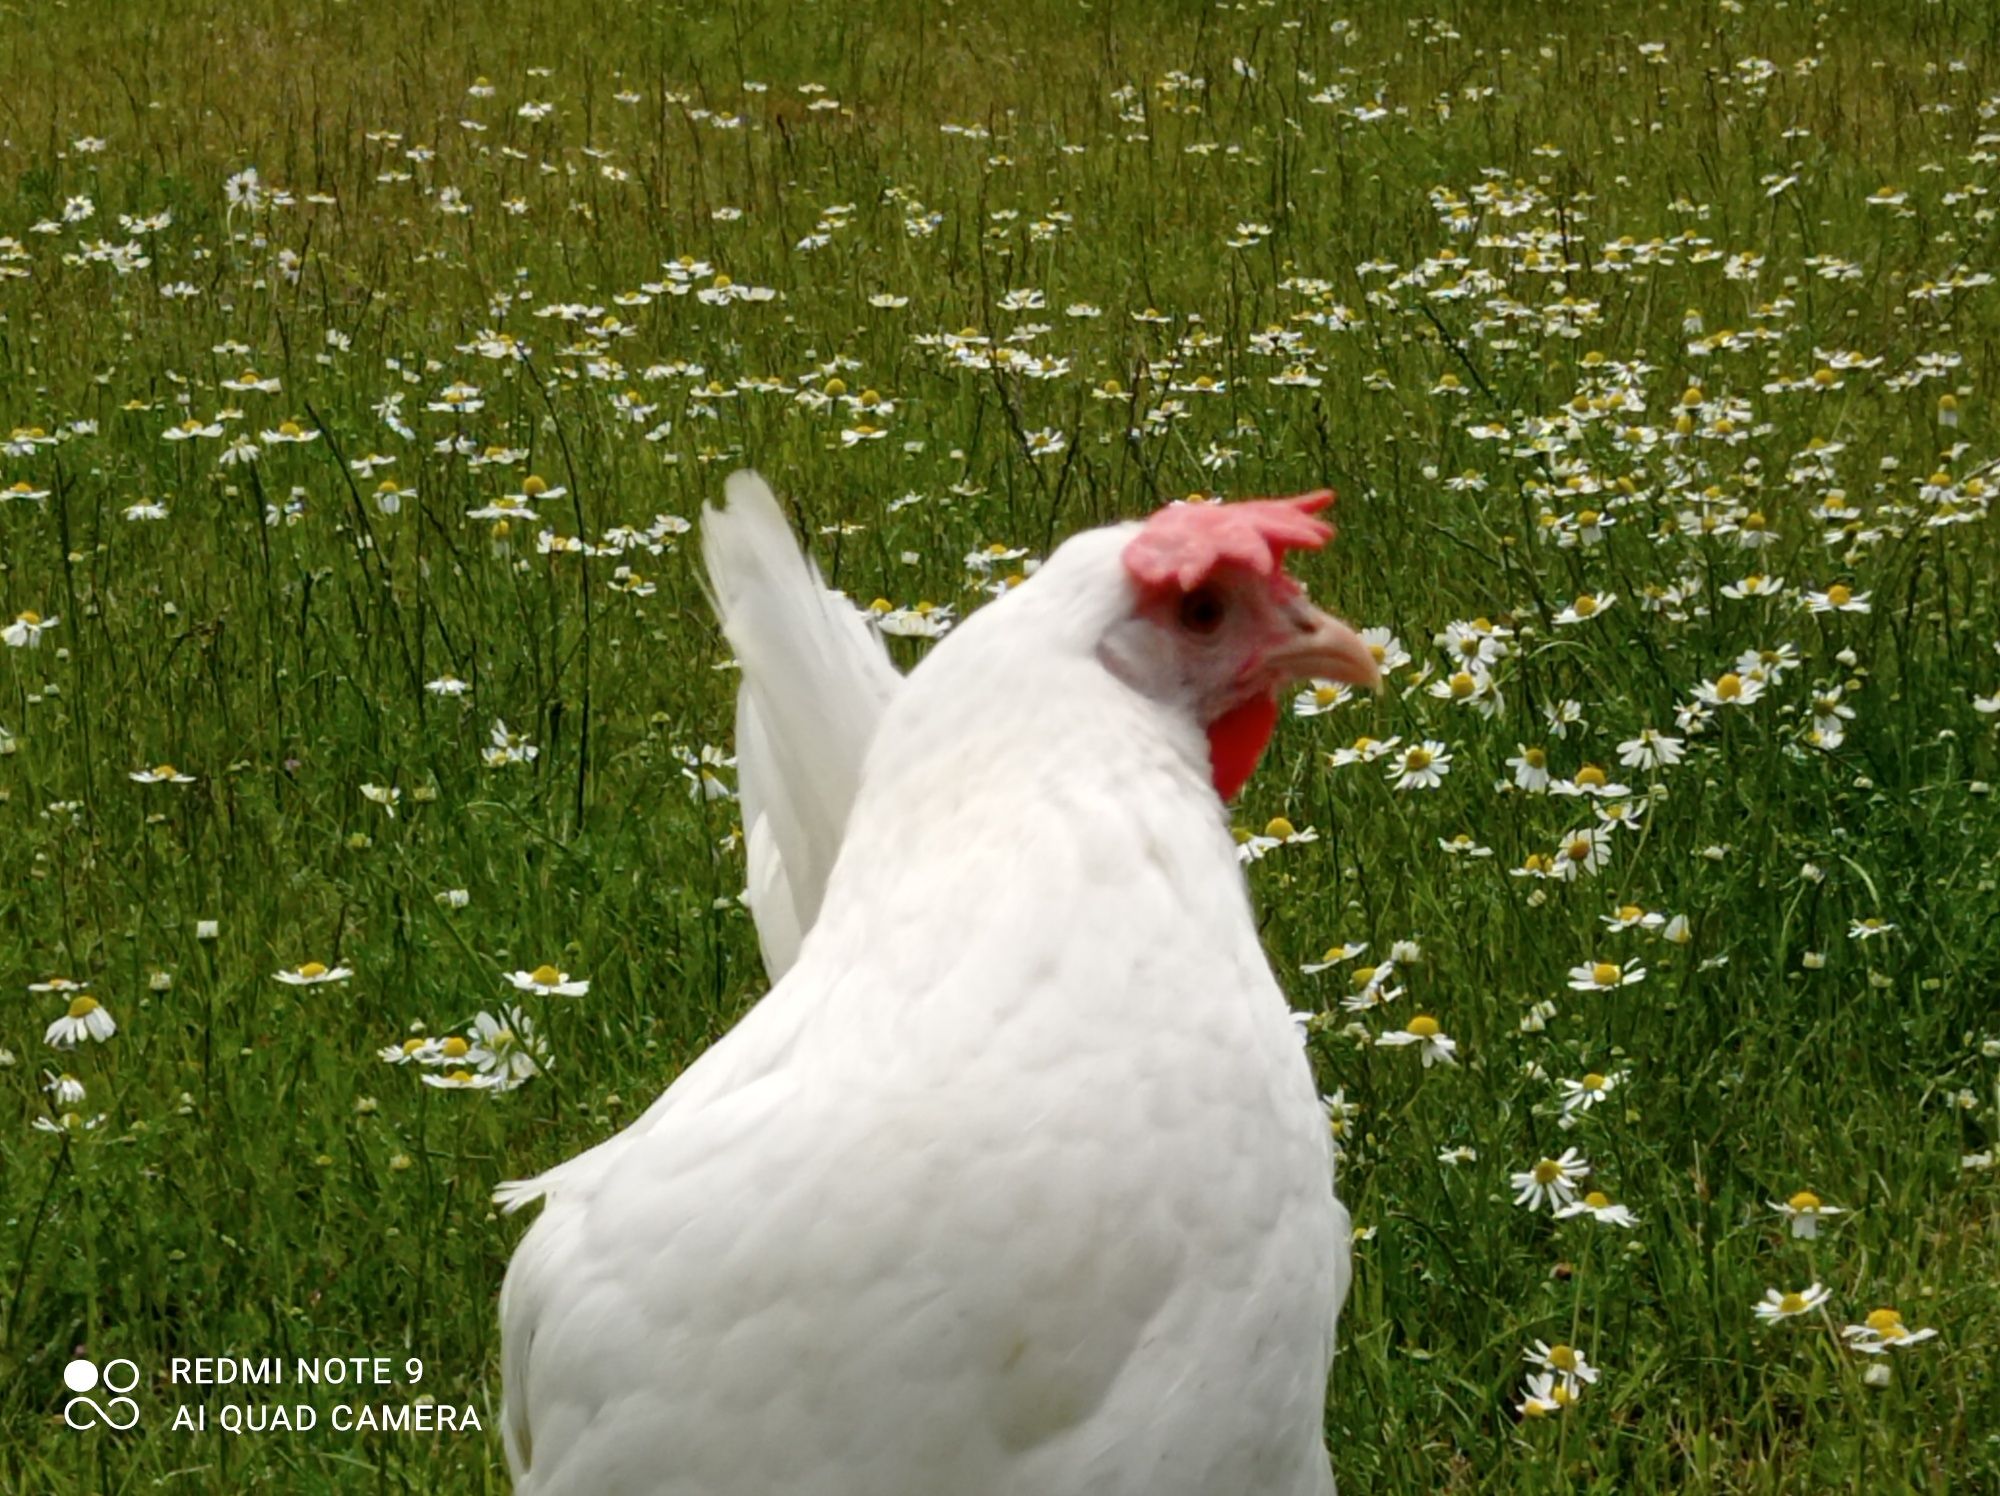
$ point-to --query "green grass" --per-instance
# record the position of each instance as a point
(261, 1184)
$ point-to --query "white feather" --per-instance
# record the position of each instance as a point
(815, 682)
(1017, 1184)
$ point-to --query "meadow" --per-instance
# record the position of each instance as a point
(366, 822)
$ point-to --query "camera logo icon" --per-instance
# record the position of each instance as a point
(82, 1377)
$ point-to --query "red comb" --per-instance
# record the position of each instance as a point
(1182, 543)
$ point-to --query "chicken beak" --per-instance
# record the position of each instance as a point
(1321, 647)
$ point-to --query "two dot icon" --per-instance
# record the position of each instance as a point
(118, 1376)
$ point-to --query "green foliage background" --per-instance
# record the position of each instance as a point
(261, 1184)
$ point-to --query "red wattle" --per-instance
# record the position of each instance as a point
(1236, 741)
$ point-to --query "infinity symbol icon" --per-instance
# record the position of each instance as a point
(81, 1376)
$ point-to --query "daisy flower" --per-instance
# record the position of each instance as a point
(1565, 1361)
(1839, 598)
(1582, 1095)
(508, 1047)
(1387, 648)
(1333, 956)
(1804, 1212)
(1632, 916)
(1777, 1306)
(1371, 987)
(1562, 716)
(1551, 1182)
(1531, 768)
(1884, 1331)
(1869, 928)
(1581, 852)
(26, 631)
(508, 748)
(1278, 832)
(1586, 606)
(1363, 750)
(1598, 1206)
(312, 973)
(416, 1049)
(160, 774)
(1435, 1046)
(385, 796)
(1422, 766)
(1601, 976)
(1590, 780)
(465, 1080)
(86, 1018)
(547, 981)
(1754, 585)
(1651, 750)
(1321, 696)
(1543, 1396)
(1729, 689)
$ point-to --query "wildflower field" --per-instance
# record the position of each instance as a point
(367, 832)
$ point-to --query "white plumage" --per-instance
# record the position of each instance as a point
(1017, 1183)
(815, 682)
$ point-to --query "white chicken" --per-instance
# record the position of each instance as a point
(1016, 1183)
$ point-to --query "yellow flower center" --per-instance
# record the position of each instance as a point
(1803, 1201)
(1597, 1200)
(545, 976)
(1417, 759)
(1730, 686)
(1535, 758)
(1463, 685)
(31, 618)
(1379, 652)
(534, 486)
(1325, 695)
(1839, 595)
(1886, 1322)
(1579, 849)
(1548, 1171)
(1424, 1026)
(313, 969)
(455, 1048)
(1824, 376)
(1592, 776)
(248, 376)
(1363, 975)
(411, 1046)
(1604, 974)
(1363, 743)
(1793, 1303)
(1561, 1395)
(1593, 1082)
(82, 1007)
(1585, 605)
(1627, 913)
(1281, 828)
(1562, 1358)
(1588, 517)
(290, 428)
(836, 386)
(165, 771)
(460, 1077)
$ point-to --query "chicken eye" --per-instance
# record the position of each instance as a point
(1202, 610)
